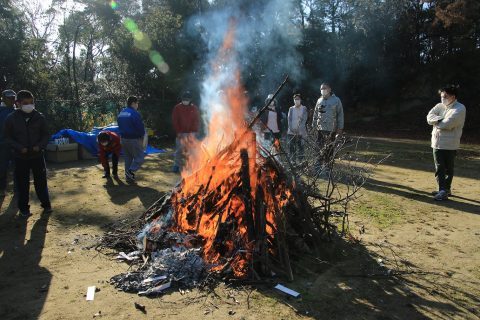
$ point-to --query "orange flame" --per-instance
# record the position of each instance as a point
(209, 201)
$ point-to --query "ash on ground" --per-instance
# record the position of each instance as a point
(179, 266)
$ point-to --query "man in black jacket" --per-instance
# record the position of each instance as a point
(26, 132)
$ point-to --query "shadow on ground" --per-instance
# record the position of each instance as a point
(350, 283)
(417, 155)
(20, 255)
(454, 202)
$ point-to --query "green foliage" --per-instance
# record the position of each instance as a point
(374, 52)
(11, 35)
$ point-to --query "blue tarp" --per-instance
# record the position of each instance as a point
(89, 139)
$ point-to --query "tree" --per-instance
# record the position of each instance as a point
(12, 35)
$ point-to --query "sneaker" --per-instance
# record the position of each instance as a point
(441, 195)
(106, 175)
(449, 193)
(47, 210)
(25, 213)
(129, 175)
(176, 169)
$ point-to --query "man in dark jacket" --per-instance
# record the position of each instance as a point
(109, 143)
(6, 107)
(132, 132)
(26, 132)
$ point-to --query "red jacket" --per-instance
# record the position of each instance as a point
(113, 146)
(185, 119)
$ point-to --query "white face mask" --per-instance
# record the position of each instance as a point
(446, 101)
(104, 144)
(185, 102)
(325, 92)
(297, 102)
(27, 108)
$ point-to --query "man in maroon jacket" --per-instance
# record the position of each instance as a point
(186, 123)
(109, 143)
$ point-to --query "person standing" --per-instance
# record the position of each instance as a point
(186, 123)
(26, 132)
(6, 157)
(297, 129)
(109, 144)
(328, 120)
(447, 119)
(271, 119)
(132, 132)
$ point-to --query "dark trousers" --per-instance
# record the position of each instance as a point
(114, 164)
(6, 160)
(271, 136)
(324, 142)
(22, 177)
(444, 164)
(295, 145)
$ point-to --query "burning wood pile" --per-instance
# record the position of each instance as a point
(240, 211)
(239, 216)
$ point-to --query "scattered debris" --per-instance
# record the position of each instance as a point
(91, 293)
(98, 314)
(288, 291)
(130, 257)
(155, 290)
(140, 307)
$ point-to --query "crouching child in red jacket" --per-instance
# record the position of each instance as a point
(109, 143)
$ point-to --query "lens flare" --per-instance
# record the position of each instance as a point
(113, 5)
(143, 42)
(130, 25)
(158, 61)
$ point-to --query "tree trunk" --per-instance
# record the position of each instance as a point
(75, 80)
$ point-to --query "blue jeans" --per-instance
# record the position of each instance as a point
(133, 152)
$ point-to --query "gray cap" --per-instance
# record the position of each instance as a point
(9, 94)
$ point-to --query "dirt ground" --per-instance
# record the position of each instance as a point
(46, 262)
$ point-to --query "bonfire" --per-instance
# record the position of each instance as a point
(239, 211)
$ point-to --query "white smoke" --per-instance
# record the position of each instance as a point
(265, 46)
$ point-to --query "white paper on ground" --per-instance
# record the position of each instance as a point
(287, 290)
(154, 279)
(157, 289)
(122, 255)
(91, 293)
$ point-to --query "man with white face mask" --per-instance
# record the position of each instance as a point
(328, 119)
(109, 144)
(186, 123)
(26, 131)
(447, 119)
(297, 129)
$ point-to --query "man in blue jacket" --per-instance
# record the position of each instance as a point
(132, 132)
(6, 157)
